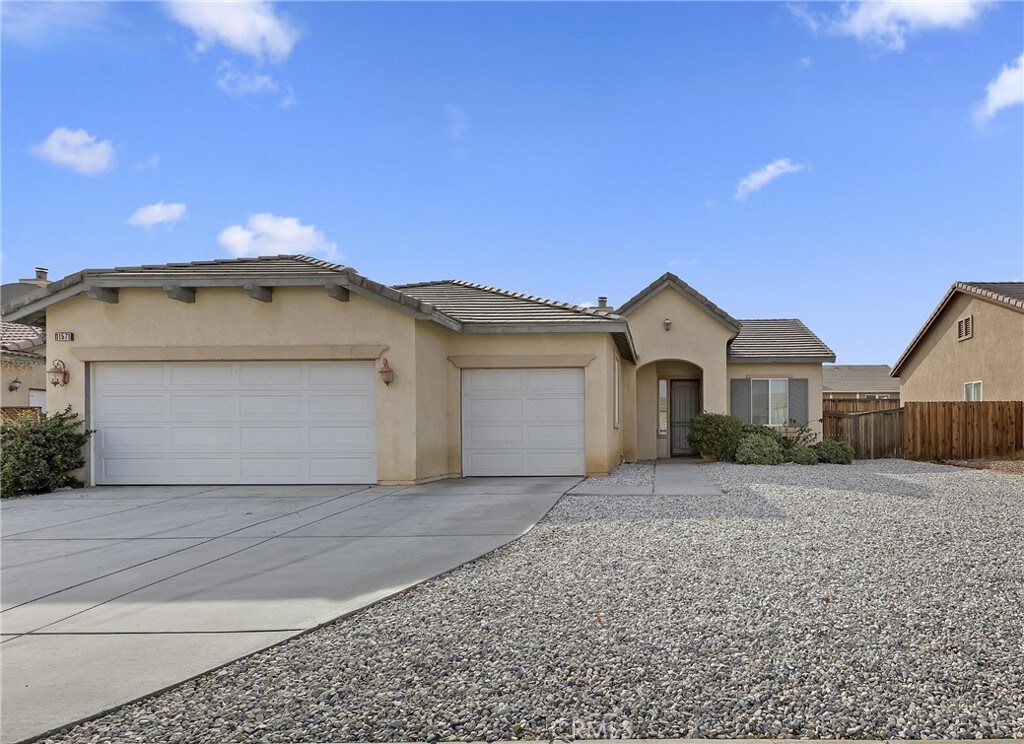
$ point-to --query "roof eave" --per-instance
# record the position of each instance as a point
(823, 359)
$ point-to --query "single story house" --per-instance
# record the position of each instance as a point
(970, 348)
(859, 381)
(22, 366)
(289, 369)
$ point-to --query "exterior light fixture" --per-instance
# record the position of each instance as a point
(58, 373)
(667, 323)
(15, 384)
(386, 373)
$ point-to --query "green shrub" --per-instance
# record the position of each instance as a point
(715, 434)
(799, 436)
(764, 431)
(759, 449)
(38, 455)
(829, 450)
(801, 454)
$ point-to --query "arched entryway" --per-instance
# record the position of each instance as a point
(668, 393)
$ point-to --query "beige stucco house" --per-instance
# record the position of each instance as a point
(970, 348)
(859, 382)
(289, 369)
(22, 366)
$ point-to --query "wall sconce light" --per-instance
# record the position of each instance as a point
(15, 384)
(58, 373)
(386, 373)
(667, 323)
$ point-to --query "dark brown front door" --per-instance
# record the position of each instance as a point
(684, 402)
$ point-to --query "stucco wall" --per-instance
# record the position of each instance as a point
(812, 372)
(300, 323)
(695, 337)
(418, 415)
(32, 376)
(940, 365)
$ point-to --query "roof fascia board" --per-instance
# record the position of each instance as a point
(268, 280)
(565, 327)
(940, 308)
(781, 360)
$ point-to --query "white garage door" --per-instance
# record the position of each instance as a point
(522, 422)
(234, 422)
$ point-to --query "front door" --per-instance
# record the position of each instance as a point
(684, 402)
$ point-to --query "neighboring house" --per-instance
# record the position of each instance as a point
(23, 365)
(293, 370)
(970, 348)
(860, 381)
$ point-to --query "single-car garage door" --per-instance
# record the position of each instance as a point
(522, 422)
(234, 422)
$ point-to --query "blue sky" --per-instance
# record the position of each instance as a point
(843, 164)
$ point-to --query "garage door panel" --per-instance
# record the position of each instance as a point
(136, 437)
(199, 375)
(230, 422)
(194, 437)
(353, 406)
(353, 438)
(133, 406)
(567, 409)
(523, 422)
(203, 406)
(495, 409)
(483, 435)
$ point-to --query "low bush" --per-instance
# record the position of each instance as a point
(764, 431)
(38, 455)
(801, 454)
(800, 436)
(829, 450)
(759, 449)
(715, 434)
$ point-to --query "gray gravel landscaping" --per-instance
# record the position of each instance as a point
(626, 474)
(877, 600)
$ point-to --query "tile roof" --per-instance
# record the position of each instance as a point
(10, 332)
(777, 340)
(1010, 294)
(859, 378)
(475, 303)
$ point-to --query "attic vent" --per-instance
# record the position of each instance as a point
(965, 328)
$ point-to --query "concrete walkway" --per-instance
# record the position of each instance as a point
(110, 594)
(682, 476)
(678, 476)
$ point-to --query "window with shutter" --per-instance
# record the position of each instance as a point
(965, 328)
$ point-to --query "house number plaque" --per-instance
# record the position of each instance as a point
(63, 336)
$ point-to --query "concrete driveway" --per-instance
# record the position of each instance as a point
(109, 594)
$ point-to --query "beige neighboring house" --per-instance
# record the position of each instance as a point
(23, 365)
(288, 369)
(970, 348)
(859, 381)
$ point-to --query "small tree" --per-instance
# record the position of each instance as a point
(39, 455)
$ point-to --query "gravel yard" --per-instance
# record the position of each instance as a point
(626, 474)
(878, 600)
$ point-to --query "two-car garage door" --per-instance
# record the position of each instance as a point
(234, 422)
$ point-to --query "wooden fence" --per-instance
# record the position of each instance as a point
(858, 405)
(18, 413)
(873, 434)
(955, 430)
(943, 430)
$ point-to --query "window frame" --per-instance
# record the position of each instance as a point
(965, 328)
(980, 397)
(663, 384)
(770, 380)
(618, 394)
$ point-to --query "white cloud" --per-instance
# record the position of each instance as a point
(76, 149)
(806, 61)
(156, 214)
(267, 234)
(250, 28)
(1006, 90)
(887, 23)
(757, 180)
(238, 84)
(40, 22)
